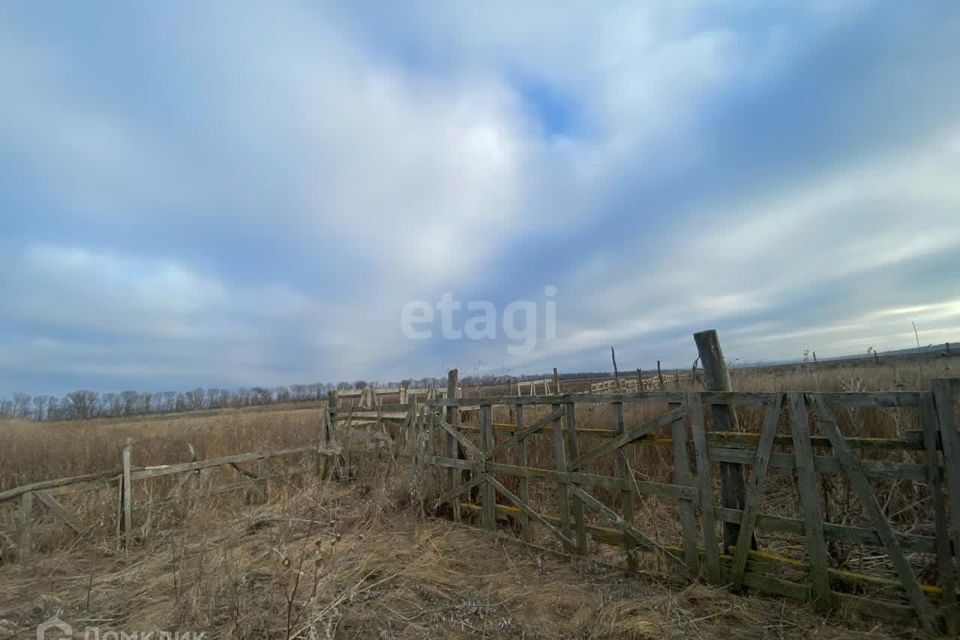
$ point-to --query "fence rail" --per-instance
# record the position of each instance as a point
(528, 464)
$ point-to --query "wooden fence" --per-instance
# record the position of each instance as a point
(528, 464)
(586, 496)
(48, 494)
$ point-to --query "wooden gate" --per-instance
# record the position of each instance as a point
(789, 536)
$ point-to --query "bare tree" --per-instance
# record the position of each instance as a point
(53, 408)
(169, 401)
(196, 398)
(21, 405)
(146, 400)
(82, 404)
(298, 392)
(129, 399)
(39, 406)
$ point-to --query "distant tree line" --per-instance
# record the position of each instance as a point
(84, 404)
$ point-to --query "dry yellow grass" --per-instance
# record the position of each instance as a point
(36, 451)
(356, 561)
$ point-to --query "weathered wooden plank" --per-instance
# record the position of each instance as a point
(560, 463)
(453, 418)
(873, 511)
(373, 415)
(447, 496)
(844, 533)
(828, 464)
(910, 441)
(127, 491)
(348, 439)
(564, 539)
(524, 483)
(698, 432)
(839, 578)
(754, 495)
(573, 451)
(143, 473)
(324, 449)
(626, 494)
(487, 494)
(717, 378)
(57, 509)
(643, 487)
(54, 483)
(950, 446)
(536, 427)
(26, 523)
(681, 476)
(807, 486)
(946, 577)
(262, 483)
(468, 447)
(628, 437)
(628, 529)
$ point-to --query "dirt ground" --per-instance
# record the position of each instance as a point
(358, 561)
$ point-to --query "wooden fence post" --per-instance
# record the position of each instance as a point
(428, 449)
(950, 444)
(524, 483)
(626, 495)
(681, 476)
(573, 450)
(717, 378)
(556, 381)
(321, 441)
(616, 374)
(560, 462)
(262, 480)
(26, 521)
(487, 443)
(699, 433)
(809, 501)
(125, 493)
(945, 567)
(453, 419)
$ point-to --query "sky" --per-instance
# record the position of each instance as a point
(251, 193)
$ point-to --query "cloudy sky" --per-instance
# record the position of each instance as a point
(237, 193)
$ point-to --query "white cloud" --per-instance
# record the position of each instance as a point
(861, 224)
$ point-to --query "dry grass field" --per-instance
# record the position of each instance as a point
(357, 561)
(360, 560)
